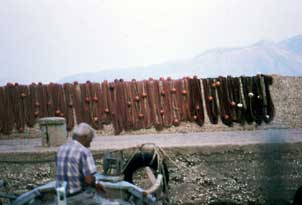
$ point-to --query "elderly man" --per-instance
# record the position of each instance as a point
(76, 166)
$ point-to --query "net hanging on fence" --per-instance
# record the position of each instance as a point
(134, 105)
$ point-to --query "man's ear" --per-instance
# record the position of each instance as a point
(81, 139)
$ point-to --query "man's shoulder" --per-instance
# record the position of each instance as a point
(73, 147)
(70, 146)
(80, 147)
(65, 146)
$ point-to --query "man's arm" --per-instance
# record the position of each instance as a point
(89, 169)
(90, 180)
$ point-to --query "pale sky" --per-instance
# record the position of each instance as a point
(45, 40)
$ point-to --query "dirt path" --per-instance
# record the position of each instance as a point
(168, 140)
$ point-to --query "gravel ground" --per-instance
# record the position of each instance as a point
(259, 167)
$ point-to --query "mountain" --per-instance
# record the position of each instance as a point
(283, 58)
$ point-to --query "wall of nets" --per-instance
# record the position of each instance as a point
(133, 105)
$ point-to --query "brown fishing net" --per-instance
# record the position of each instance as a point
(165, 93)
(154, 98)
(77, 102)
(86, 102)
(130, 109)
(184, 99)
(146, 106)
(96, 105)
(137, 109)
(69, 94)
(114, 90)
(196, 101)
(106, 116)
(139, 104)
(119, 104)
(58, 99)
(175, 108)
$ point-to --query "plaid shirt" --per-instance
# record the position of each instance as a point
(74, 161)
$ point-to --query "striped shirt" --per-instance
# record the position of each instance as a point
(74, 161)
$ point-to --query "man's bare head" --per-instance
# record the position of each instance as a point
(83, 133)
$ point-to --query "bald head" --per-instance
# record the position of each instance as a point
(83, 133)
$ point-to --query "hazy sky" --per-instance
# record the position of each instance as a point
(44, 40)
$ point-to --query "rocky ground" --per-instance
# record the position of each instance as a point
(243, 175)
(248, 174)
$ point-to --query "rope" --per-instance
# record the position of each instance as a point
(178, 166)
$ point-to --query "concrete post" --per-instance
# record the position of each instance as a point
(53, 130)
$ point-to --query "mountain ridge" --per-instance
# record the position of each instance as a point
(267, 57)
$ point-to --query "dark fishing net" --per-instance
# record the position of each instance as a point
(257, 100)
(42, 100)
(15, 99)
(224, 102)
(231, 98)
(33, 106)
(247, 85)
(269, 108)
(49, 103)
(237, 109)
(8, 118)
(2, 108)
(23, 95)
(210, 100)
